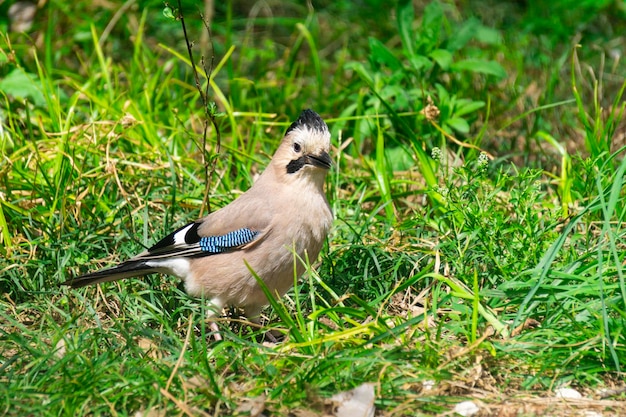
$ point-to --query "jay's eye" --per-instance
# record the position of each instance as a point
(296, 147)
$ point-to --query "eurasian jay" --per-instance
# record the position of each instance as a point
(284, 212)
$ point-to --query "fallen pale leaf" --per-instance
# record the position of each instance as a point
(466, 408)
(358, 402)
(59, 349)
(252, 407)
(567, 393)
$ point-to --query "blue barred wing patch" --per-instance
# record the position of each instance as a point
(222, 243)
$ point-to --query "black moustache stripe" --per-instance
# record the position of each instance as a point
(296, 165)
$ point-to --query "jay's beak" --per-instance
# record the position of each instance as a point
(322, 160)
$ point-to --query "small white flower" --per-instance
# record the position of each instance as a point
(443, 191)
(435, 153)
(483, 161)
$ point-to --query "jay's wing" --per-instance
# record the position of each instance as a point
(241, 224)
(186, 242)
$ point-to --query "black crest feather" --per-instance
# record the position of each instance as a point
(308, 118)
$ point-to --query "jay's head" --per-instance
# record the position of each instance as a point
(304, 150)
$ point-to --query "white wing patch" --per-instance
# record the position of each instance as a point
(173, 266)
(179, 237)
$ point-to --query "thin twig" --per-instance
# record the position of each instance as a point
(182, 406)
(181, 355)
(210, 113)
(209, 109)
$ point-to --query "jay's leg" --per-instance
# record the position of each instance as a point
(253, 313)
(215, 309)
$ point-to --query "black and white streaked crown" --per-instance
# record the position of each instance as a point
(309, 120)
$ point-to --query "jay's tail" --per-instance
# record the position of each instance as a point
(130, 268)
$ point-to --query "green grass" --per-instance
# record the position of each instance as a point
(500, 277)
